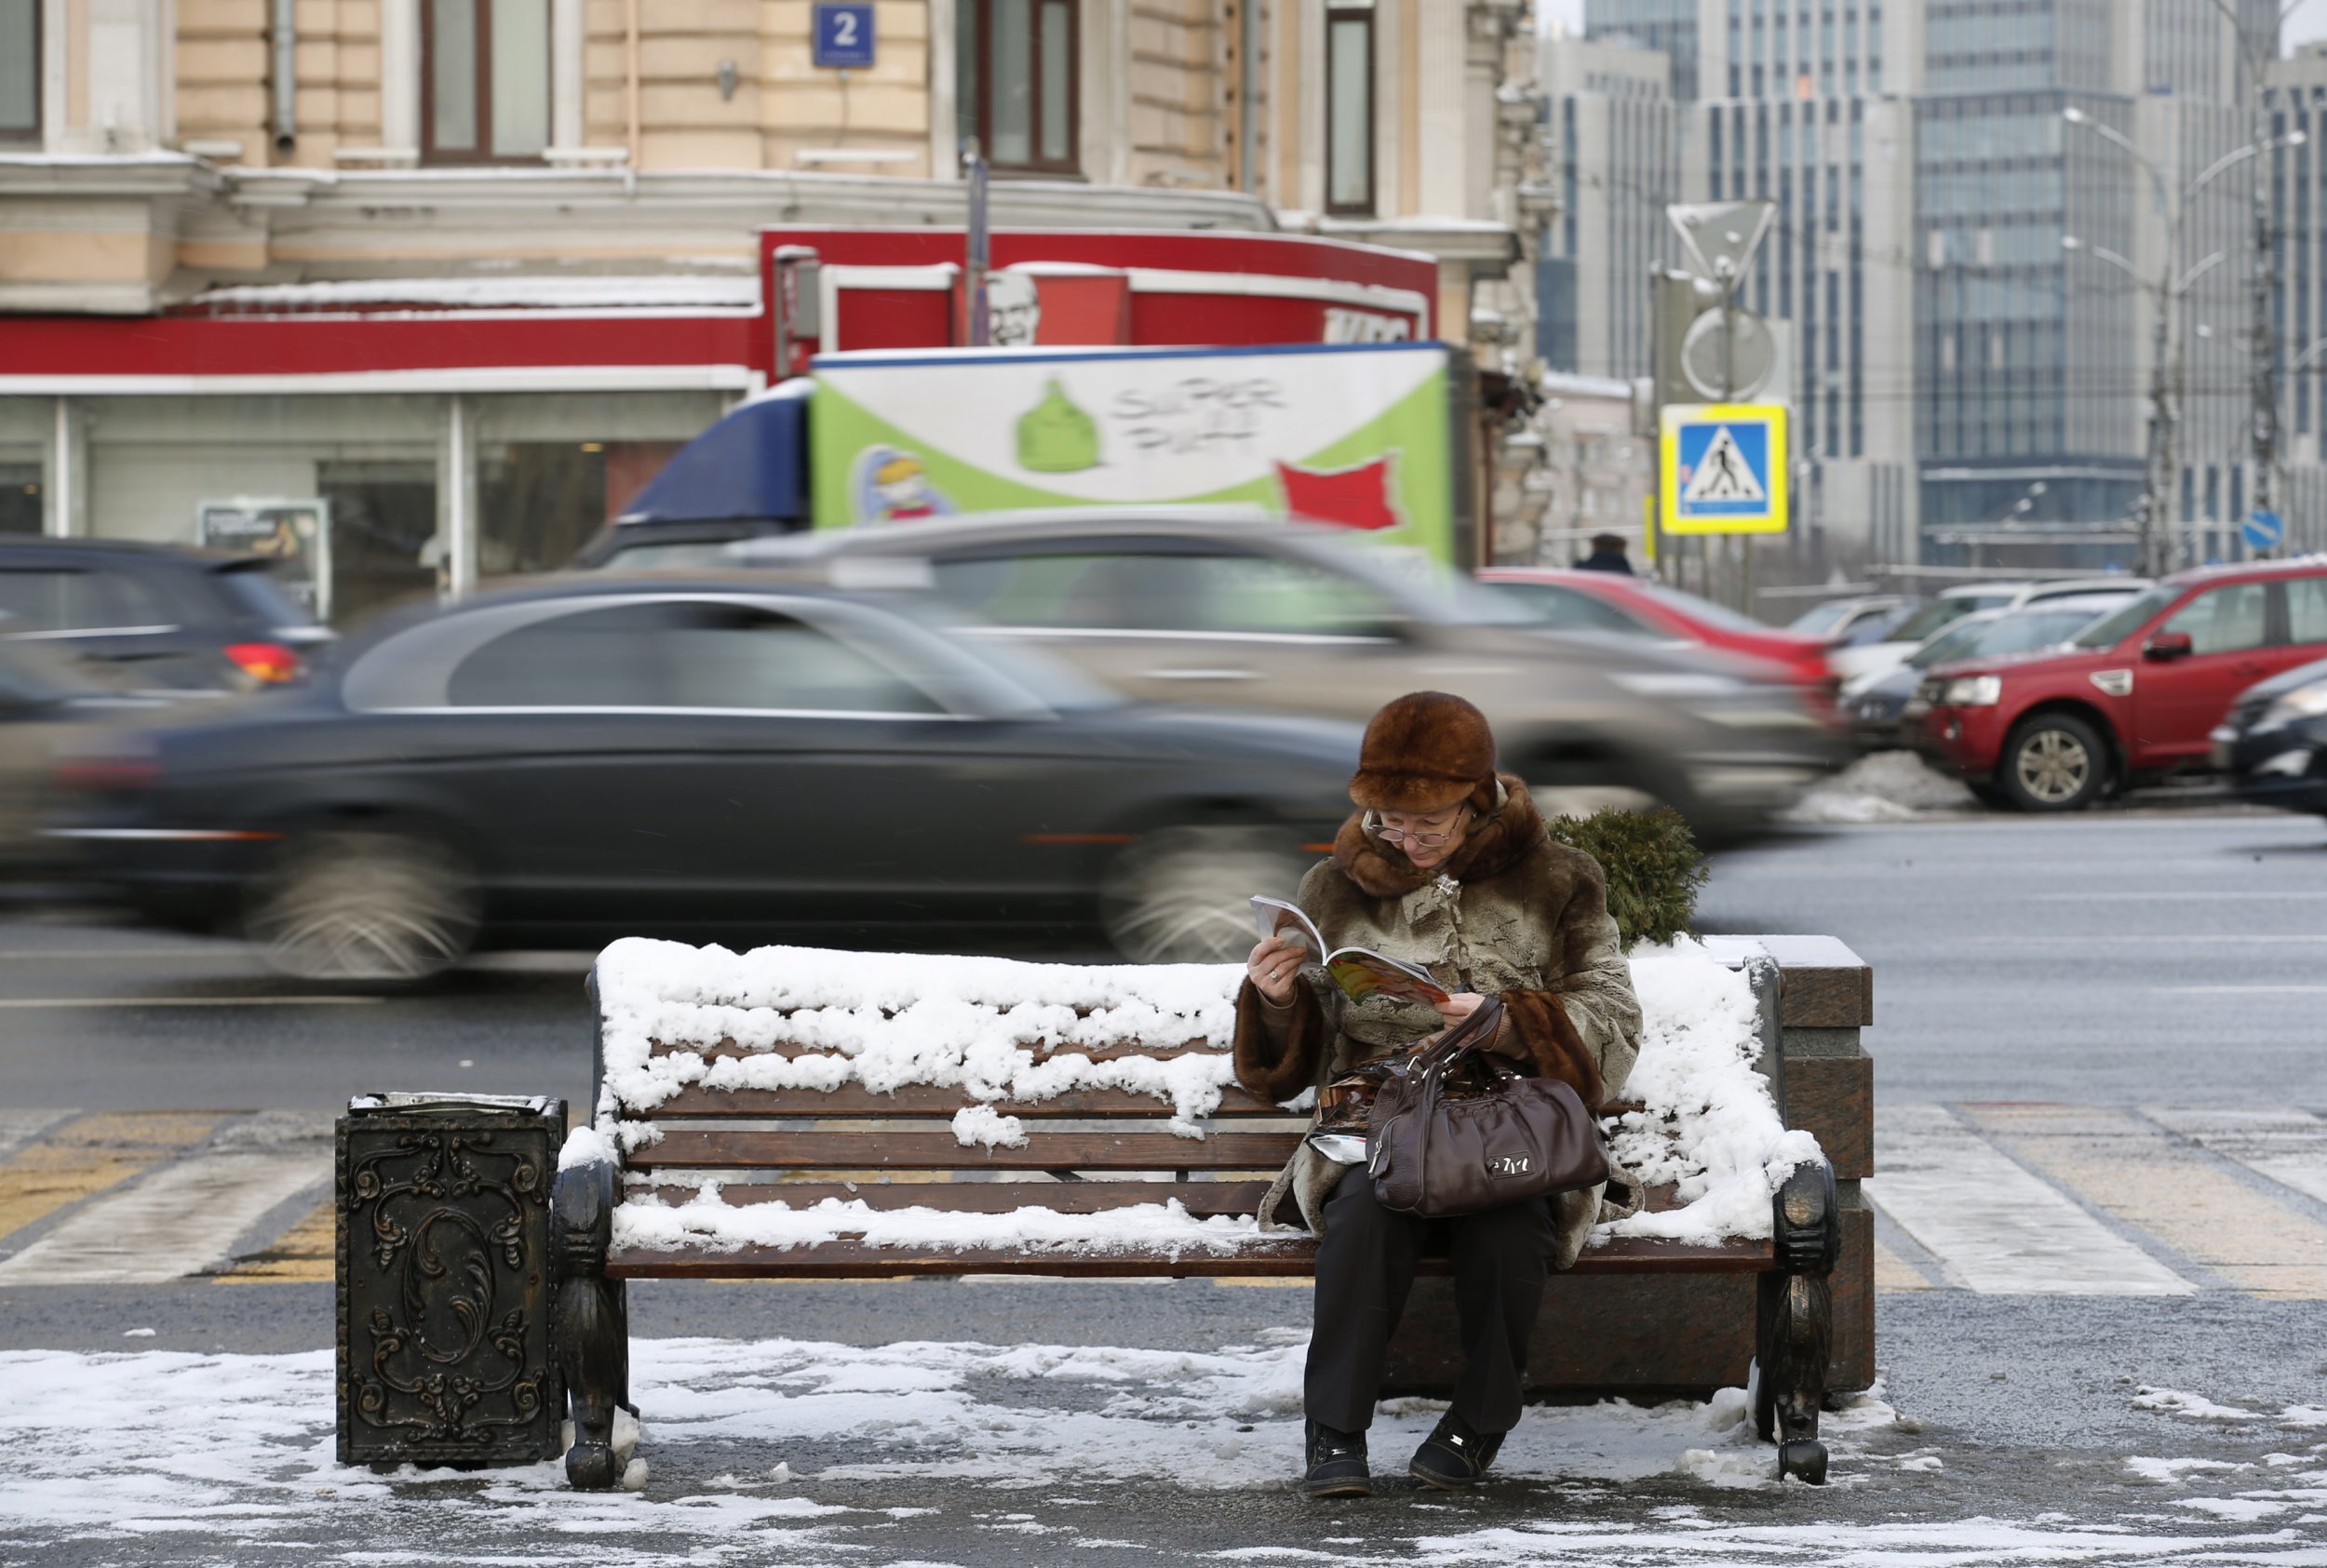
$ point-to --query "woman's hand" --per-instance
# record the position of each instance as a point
(1275, 967)
(1455, 1008)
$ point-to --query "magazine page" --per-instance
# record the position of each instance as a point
(1274, 917)
(1366, 974)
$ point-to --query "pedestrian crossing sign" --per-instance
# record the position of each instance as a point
(1724, 468)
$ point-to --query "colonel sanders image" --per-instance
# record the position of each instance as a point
(1013, 310)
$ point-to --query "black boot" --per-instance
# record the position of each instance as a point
(1336, 1464)
(1453, 1456)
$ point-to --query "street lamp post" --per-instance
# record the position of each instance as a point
(2161, 476)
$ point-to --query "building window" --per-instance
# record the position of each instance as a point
(1350, 106)
(1015, 82)
(20, 70)
(485, 91)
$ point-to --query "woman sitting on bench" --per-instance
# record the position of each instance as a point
(1445, 864)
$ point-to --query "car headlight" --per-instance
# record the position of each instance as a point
(1975, 691)
(2304, 701)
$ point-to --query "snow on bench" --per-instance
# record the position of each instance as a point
(695, 1033)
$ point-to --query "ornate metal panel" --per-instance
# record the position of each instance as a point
(446, 1280)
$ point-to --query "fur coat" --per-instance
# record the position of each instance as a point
(1509, 914)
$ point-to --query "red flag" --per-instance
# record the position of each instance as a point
(1351, 498)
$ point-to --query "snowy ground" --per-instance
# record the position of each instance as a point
(797, 1452)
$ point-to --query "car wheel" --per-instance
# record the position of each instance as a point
(1184, 894)
(2055, 762)
(366, 908)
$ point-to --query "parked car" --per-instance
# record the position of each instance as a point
(1851, 622)
(705, 758)
(1600, 601)
(1850, 663)
(156, 618)
(1876, 703)
(1309, 620)
(2273, 742)
(2137, 693)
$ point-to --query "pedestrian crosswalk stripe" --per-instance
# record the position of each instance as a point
(1992, 1226)
(18, 1127)
(307, 1251)
(2133, 1169)
(1895, 1273)
(2286, 1146)
(183, 1218)
(89, 1154)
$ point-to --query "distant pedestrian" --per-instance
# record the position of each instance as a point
(1608, 555)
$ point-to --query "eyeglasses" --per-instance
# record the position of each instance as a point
(1406, 835)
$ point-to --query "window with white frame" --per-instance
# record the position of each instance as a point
(1350, 106)
(484, 79)
(20, 71)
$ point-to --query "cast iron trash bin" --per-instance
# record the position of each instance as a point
(446, 1281)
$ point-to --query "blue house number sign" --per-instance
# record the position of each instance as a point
(844, 36)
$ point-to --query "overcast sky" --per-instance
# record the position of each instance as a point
(2306, 23)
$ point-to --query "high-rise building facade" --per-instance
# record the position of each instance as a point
(1969, 389)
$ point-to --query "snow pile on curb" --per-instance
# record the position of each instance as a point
(1887, 786)
(1708, 1122)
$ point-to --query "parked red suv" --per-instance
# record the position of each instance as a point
(2131, 697)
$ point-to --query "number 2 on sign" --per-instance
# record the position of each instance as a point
(844, 28)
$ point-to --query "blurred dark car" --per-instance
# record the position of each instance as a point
(156, 618)
(1166, 605)
(45, 701)
(2273, 742)
(1877, 705)
(704, 758)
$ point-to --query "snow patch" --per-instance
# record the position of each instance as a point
(586, 1145)
(1887, 786)
(983, 1124)
(2197, 1407)
(1708, 1122)
(708, 1222)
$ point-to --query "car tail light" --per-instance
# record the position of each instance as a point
(269, 663)
(101, 772)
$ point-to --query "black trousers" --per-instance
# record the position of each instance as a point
(1365, 1269)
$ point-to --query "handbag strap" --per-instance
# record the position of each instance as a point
(1463, 1040)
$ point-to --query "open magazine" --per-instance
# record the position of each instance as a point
(1361, 971)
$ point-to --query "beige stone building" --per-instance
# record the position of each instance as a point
(150, 149)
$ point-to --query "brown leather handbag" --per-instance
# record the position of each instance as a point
(1459, 1131)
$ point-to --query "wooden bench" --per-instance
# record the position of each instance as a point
(1698, 1315)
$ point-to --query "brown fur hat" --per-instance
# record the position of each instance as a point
(1423, 752)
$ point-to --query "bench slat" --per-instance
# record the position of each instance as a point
(921, 1099)
(1200, 1199)
(713, 1147)
(1292, 1257)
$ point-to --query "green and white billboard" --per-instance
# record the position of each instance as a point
(1354, 436)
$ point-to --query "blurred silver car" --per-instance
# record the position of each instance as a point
(1204, 608)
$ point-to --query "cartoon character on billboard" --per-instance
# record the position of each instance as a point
(1013, 310)
(890, 486)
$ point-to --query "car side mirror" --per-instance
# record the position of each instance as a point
(2168, 645)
